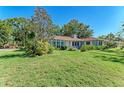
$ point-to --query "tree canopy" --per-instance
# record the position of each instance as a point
(75, 27)
(20, 30)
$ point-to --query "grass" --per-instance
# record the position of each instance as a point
(62, 68)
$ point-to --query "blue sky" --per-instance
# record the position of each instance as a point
(103, 19)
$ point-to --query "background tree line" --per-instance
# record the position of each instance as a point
(34, 34)
(114, 40)
(16, 30)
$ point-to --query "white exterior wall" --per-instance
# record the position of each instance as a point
(68, 43)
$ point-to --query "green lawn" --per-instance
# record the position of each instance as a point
(62, 68)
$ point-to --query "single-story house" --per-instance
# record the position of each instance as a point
(74, 41)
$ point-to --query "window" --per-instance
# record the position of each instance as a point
(100, 42)
(77, 43)
(88, 43)
(62, 43)
(73, 43)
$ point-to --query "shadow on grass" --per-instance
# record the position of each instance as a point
(110, 57)
(22, 55)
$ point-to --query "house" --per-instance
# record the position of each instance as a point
(74, 41)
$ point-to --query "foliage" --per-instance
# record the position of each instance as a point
(122, 47)
(42, 48)
(86, 47)
(111, 45)
(71, 49)
(104, 47)
(51, 49)
(80, 29)
(110, 37)
(100, 47)
(38, 48)
(43, 26)
(112, 40)
(63, 48)
(41, 32)
(20, 29)
(5, 33)
(83, 49)
(92, 47)
(57, 30)
(30, 48)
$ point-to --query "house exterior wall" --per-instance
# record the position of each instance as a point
(75, 44)
(68, 43)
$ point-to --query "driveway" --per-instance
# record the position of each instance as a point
(8, 49)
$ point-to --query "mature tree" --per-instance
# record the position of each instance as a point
(57, 30)
(102, 37)
(110, 37)
(42, 29)
(120, 35)
(80, 29)
(71, 28)
(43, 26)
(84, 31)
(5, 32)
(21, 28)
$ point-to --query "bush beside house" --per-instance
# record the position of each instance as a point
(39, 48)
(72, 49)
(90, 47)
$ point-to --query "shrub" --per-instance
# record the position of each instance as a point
(104, 47)
(38, 48)
(82, 49)
(87, 47)
(1, 45)
(63, 48)
(42, 48)
(100, 47)
(72, 49)
(122, 47)
(111, 45)
(30, 48)
(91, 47)
(51, 48)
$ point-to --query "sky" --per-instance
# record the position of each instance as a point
(102, 19)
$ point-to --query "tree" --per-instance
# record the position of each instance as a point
(42, 28)
(71, 27)
(57, 30)
(119, 37)
(43, 24)
(110, 37)
(110, 40)
(21, 28)
(102, 37)
(5, 32)
(75, 27)
(84, 31)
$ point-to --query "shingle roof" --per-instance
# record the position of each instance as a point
(67, 38)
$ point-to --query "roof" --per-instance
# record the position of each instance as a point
(89, 39)
(67, 38)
